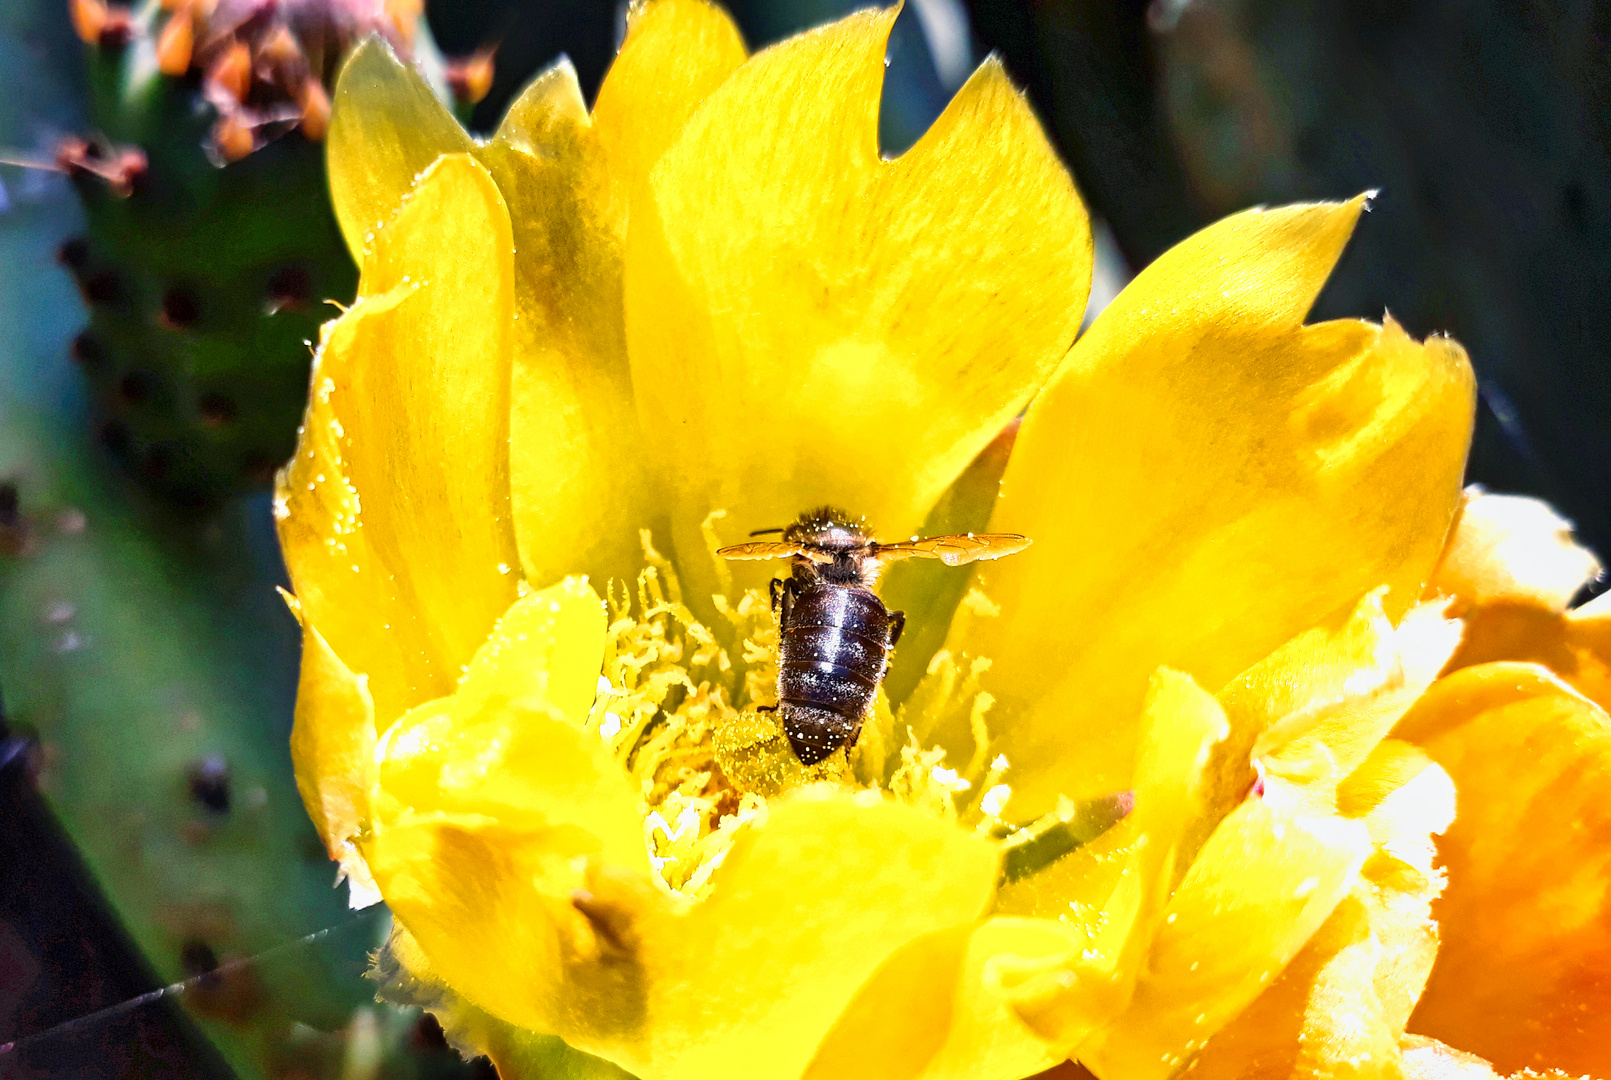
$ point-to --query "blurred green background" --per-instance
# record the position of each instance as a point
(150, 829)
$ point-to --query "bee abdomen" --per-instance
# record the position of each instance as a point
(832, 657)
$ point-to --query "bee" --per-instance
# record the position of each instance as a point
(834, 633)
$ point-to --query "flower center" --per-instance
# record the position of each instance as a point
(678, 706)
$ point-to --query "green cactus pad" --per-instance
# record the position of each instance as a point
(205, 287)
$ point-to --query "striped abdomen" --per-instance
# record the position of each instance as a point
(832, 655)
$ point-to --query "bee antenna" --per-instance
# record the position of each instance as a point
(763, 532)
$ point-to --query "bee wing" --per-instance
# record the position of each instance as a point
(956, 550)
(762, 549)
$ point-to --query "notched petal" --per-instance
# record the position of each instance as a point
(577, 488)
(676, 52)
(1265, 475)
(883, 319)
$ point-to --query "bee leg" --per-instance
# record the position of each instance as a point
(766, 708)
(785, 591)
(897, 623)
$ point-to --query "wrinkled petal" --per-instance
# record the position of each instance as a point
(1576, 646)
(1428, 1059)
(1308, 714)
(1116, 883)
(811, 323)
(333, 750)
(422, 400)
(806, 907)
(1264, 883)
(386, 128)
(1512, 549)
(469, 753)
(549, 647)
(406, 976)
(496, 810)
(1204, 478)
(1340, 1007)
(1521, 976)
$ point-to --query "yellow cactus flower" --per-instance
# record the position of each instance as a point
(1126, 789)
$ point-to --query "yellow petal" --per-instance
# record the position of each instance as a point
(1114, 887)
(491, 905)
(1264, 883)
(548, 647)
(1016, 1012)
(1205, 478)
(1526, 920)
(530, 907)
(423, 407)
(802, 913)
(1511, 549)
(1340, 1007)
(341, 585)
(386, 128)
(393, 513)
(1322, 702)
(810, 323)
(900, 1018)
(332, 743)
(676, 52)
(578, 492)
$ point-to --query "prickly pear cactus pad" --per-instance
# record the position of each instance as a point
(210, 244)
(144, 653)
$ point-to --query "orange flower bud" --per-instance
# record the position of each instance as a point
(177, 43)
(89, 19)
(233, 70)
(471, 77)
(233, 138)
(315, 109)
